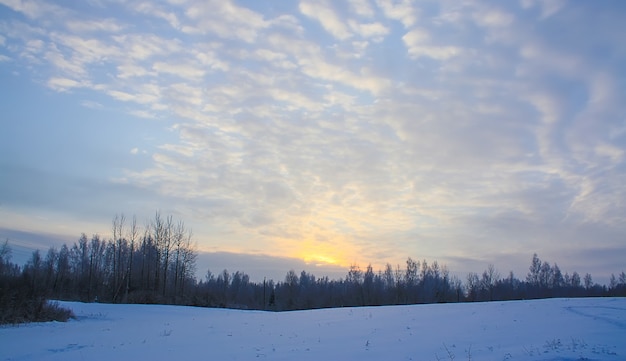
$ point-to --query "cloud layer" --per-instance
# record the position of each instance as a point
(361, 131)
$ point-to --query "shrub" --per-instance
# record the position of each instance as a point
(52, 311)
(19, 305)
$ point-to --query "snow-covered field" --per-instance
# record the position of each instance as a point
(556, 329)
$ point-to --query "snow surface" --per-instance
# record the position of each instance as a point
(555, 329)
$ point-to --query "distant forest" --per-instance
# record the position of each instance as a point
(156, 264)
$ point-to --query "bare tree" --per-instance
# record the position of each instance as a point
(178, 239)
(473, 286)
(158, 234)
(118, 245)
(588, 281)
(133, 233)
(533, 276)
(167, 248)
(97, 266)
(188, 260)
(575, 280)
(412, 272)
(489, 279)
(146, 242)
(5, 256)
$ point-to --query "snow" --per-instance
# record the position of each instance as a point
(553, 329)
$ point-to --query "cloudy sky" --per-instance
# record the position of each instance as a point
(323, 133)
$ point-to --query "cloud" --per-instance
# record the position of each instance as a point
(85, 50)
(277, 59)
(224, 19)
(56, 58)
(125, 71)
(362, 8)
(322, 70)
(145, 46)
(549, 60)
(158, 12)
(402, 11)
(369, 30)
(85, 26)
(35, 9)
(548, 8)
(143, 114)
(57, 195)
(183, 70)
(23, 243)
(63, 84)
(300, 101)
(417, 42)
(144, 98)
(92, 104)
(326, 16)
(493, 18)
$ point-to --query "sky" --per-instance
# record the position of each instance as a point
(322, 133)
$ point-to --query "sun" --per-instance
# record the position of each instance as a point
(320, 259)
(323, 253)
(318, 244)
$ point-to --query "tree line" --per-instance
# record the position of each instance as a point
(156, 263)
(150, 264)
